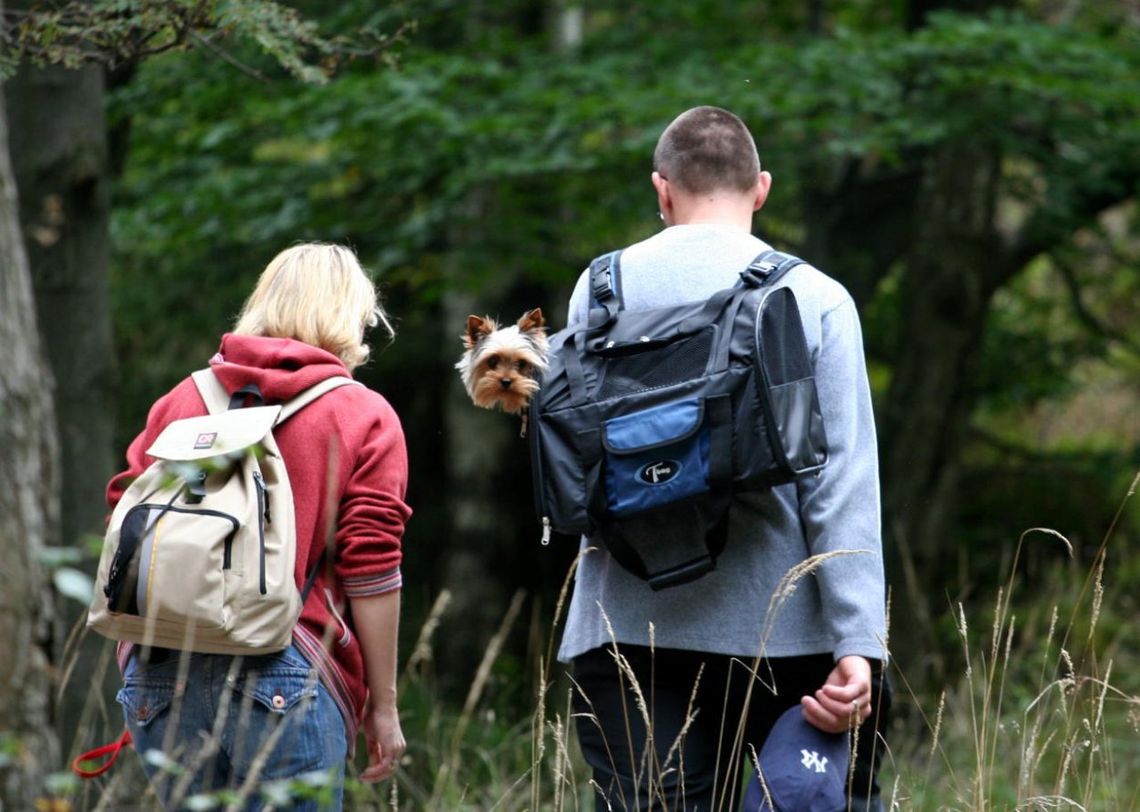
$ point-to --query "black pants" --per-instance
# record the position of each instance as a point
(696, 770)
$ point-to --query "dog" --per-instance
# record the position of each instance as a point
(502, 367)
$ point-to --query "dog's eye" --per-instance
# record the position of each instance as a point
(523, 367)
(493, 362)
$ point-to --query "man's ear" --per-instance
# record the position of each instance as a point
(664, 197)
(763, 186)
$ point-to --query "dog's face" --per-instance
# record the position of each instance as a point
(502, 365)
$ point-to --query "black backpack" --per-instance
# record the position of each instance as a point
(648, 421)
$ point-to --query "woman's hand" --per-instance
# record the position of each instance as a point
(386, 743)
(377, 621)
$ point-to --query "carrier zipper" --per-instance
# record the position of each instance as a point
(536, 474)
(262, 519)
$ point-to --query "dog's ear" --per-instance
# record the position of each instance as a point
(531, 320)
(478, 328)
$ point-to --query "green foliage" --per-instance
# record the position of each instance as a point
(467, 165)
(123, 33)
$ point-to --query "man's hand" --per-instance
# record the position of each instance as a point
(386, 743)
(844, 700)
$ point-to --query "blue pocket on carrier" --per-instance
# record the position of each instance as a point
(655, 457)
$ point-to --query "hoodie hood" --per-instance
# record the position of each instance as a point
(280, 367)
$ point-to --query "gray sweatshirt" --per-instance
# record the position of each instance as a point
(838, 609)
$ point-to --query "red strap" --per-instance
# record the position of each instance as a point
(108, 751)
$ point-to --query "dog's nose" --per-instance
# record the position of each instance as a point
(505, 383)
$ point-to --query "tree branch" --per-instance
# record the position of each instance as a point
(1089, 319)
(228, 58)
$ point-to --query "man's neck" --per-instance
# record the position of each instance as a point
(713, 211)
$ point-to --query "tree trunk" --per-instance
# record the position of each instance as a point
(864, 215)
(28, 513)
(59, 151)
(478, 445)
(494, 545)
(952, 271)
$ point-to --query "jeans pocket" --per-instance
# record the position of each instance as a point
(281, 689)
(285, 716)
(146, 699)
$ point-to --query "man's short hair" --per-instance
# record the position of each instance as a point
(707, 149)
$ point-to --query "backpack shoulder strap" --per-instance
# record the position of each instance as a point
(291, 407)
(211, 389)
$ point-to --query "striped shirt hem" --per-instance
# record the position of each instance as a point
(314, 651)
(364, 586)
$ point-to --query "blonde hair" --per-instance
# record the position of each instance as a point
(316, 293)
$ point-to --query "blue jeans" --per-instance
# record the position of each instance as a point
(244, 724)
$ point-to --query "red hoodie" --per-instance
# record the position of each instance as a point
(348, 467)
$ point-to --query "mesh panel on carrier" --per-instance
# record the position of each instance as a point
(680, 361)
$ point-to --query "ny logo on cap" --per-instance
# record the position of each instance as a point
(812, 761)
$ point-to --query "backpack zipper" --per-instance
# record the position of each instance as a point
(165, 508)
(262, 520)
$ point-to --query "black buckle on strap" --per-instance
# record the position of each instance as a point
(603, 284)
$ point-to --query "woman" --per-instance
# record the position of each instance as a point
(234, 722)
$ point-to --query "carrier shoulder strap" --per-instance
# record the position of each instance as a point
(605, 289)
(768, 268)
(765, 270)
(218, 400)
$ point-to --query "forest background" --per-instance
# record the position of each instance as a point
(968, 170)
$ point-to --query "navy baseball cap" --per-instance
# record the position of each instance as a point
(804, 768)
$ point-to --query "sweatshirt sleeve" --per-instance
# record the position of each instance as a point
(839, 508)
(373, 512)
(579, 304)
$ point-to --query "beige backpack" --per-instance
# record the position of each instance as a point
(200, 551)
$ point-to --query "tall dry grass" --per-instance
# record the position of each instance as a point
(1036, 720)
(1044, 715)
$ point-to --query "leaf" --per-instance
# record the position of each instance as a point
(74, 584)
(277, 793)
(159, 759)
(52, 557)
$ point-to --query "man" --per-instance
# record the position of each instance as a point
(671, 741)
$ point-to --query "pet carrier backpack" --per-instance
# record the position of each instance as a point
(200, 550)
(648, 421)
